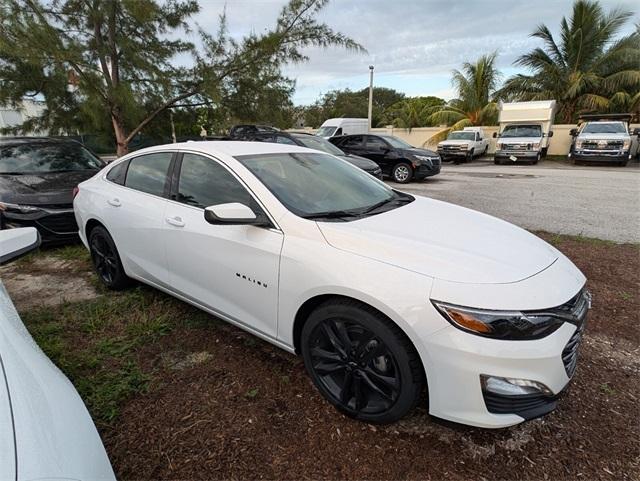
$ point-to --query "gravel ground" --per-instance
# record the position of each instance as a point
(593, 201)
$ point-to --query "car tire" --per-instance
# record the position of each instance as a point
(496, 161)
(361, 362)
(469, 157)
(402, 173)
(106, 260)
(538, 157)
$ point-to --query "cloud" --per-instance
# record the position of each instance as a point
(414, 45)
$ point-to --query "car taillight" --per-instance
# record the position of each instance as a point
(76, 191)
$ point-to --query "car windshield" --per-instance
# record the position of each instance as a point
(321, 186)
(462, 136)
(604, 128)
(396, 142)
(318, 143)
(326, 131)
(46, 157)
(511, 131)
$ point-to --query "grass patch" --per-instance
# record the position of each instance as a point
(560, 238)
(97, 343)
(73, 252)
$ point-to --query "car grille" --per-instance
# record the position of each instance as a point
(59, 223)
(602, 144)
(577, 308)
(450, 148)
(526, 405)
(516, 147)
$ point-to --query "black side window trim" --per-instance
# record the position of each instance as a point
(125, 164)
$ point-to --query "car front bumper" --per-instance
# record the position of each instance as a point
(526, 155)
(600, 156)
(426, 170)
(460, 359)
(453, 154)
(54, 226)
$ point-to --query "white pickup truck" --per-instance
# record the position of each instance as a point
(463, 145)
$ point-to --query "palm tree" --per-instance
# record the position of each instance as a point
(411, 112)
(590, 68)
(475, 85)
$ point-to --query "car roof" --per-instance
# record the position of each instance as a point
(32, 140)
(233, 148)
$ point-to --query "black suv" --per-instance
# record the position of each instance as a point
(397, 159)
(37, 179)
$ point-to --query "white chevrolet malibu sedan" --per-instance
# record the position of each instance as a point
(381, 292)
(46, 432)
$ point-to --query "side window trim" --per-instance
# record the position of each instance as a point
(168, 178)
(173, 197)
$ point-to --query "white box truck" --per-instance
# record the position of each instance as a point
(525, 130)
(341, 126)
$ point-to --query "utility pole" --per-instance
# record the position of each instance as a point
(370, 96)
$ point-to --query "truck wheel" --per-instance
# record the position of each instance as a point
(469, 157)
(496, 161)
(402, 173)
(544, 151)
(537, 159)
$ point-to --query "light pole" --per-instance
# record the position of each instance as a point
(370, 96)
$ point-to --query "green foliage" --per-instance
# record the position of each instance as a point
(412, 112)
(475, 105)
(590, 69)
(350, 104)
(111, 63)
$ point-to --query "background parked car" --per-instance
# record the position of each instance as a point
(319, 143)
(463, 145)
(604, 138)
(341, 126)
(397, 159)
(45, 429)
(246, 131)
(37, 178)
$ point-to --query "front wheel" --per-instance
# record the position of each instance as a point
(402, 173)
(361, 362)
(106, 260)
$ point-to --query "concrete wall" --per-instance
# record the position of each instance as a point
(421, 136)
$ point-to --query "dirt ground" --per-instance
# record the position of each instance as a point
(223, 405)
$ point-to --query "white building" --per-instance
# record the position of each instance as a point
(12, 116)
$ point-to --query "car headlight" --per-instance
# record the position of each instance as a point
(511, 325)
(626, 144)
(579, 144)
(428, 158)
(535, 146)
(499, 146)
(23, 209)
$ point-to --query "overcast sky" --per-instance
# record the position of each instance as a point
(414, 44)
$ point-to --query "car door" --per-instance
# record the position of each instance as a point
(230, 269)
(378, 150)
(134, 213)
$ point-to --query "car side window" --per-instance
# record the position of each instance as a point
(148, 173)
(118, 173)
(376, 143)
(204, 182)
(338, 132)
(281, 139)
(355, 141)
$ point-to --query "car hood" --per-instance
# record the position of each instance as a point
(44, 188)
(416, 151)
(361, 162)
(595, 136)
(455, 142)
(444, 241)
(518, 140)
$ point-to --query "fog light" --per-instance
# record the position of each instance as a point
(506, 386)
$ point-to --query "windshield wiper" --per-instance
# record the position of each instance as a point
(333, 214)
(11, 173)
(394, 200)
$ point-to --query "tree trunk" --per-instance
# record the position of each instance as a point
(122, 144)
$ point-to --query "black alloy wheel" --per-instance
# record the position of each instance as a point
(361, 362)
(106, 260)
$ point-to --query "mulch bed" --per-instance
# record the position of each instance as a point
(246, 410)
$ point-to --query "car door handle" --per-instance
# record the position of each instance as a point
(175, 221)
(114, 202)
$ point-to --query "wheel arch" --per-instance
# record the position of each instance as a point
(90, 225)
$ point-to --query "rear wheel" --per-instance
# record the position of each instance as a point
(361, 362)
(402, 173)
(106, 260)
